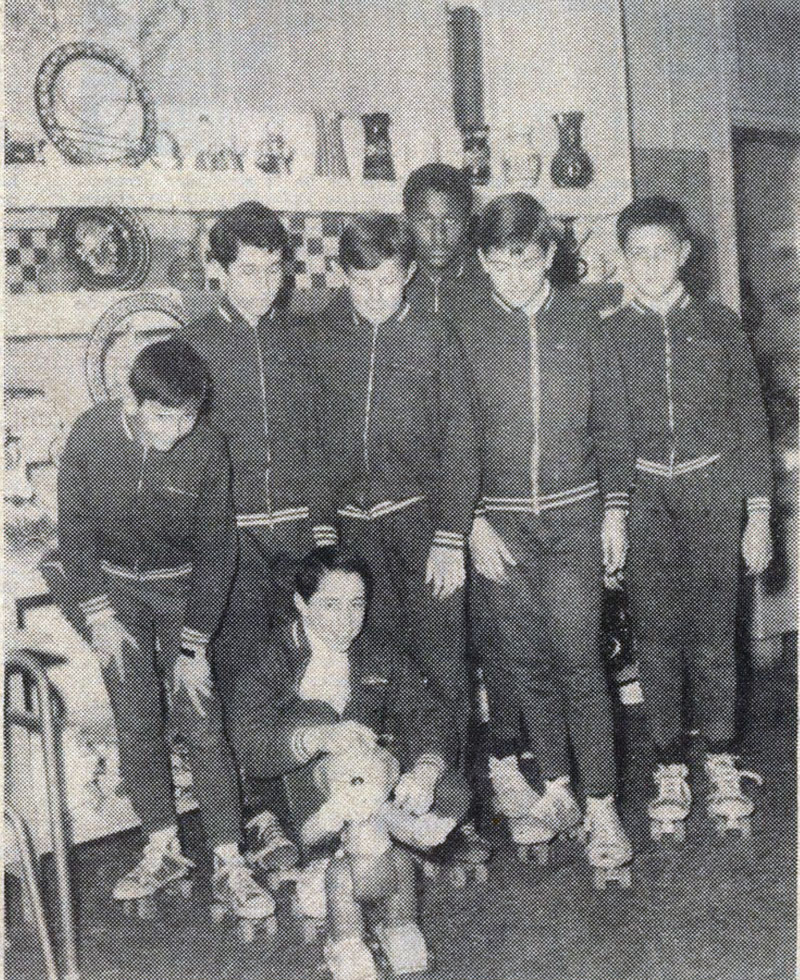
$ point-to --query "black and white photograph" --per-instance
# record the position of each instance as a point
(400, 503)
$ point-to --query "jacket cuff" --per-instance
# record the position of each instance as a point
(325, 534)
(298, 747)
(618, 500)
(758, 505)
(480, 509)
(448, 539)
(194, 639)
(96, 609)
(430, 759)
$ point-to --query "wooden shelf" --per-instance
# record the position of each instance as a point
(148, 188)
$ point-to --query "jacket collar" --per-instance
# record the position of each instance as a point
(679, 301)
(232, 315)
(398, 317)
(539, 304)
(367, 667)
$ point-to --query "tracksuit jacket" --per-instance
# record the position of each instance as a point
(451, 292)
(395, 418)
(549, 405)
(387, 694)
(694, 393)
(145, 515)
(263, 402)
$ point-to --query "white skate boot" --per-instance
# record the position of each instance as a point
(513, 794)
(607, 848)
(554, 814)
(349, 959)
(162, 869)
(728, 806)
(235, 893)
(268, 847)
(404, 947)
(670, 808)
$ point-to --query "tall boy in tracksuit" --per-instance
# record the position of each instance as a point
(556, 466)
(437, 201)
(400, 452)
(703, 464)
(147, 539)
(262, 400)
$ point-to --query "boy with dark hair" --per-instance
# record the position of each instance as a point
(400, 451)
(437, 200)
(556, 467)
(147, 538)
(263, 402)
(703, 461)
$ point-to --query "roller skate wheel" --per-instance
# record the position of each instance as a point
(246, 930)
(523, 855)
(182, 888)
(542, 854)
(457, 876)
(481, 874)
(295, 910)
(218, 913)
(680, 832)
(309, 928)
(600, 879)
(430, 870)
(271, 926)
(656, 830)
(146, 908)
(129, 908)
(746, 828)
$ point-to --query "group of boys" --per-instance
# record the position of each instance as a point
(447, 403)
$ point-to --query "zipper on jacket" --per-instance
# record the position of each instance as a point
(670, 397)
(536, 410)
(139, 489)
(368, 408)
(263, 381)
(436, 284)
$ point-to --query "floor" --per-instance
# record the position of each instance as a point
(704, 910)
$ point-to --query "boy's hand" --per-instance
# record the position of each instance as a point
(490, 554)
(108, 641)
(193, 674)
(757, 543)
(343, 736)
(445, 571)
(415, 789)
(614, 535)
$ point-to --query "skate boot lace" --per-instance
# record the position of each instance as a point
(607, 841)
(671, 782)
(156, 857)
(240, 882)
(557, 808)
(727, 778)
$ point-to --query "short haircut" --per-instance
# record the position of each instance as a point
(250, 223)
(514, 221)
(654, 210)
(442, 178)
(371, 239)
(331, 558)
(171, 373)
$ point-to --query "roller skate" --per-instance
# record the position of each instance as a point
(607, 848)
(466, 855)
(235, 894)
(162, 870)
(268, 848)
(309, 902)
(513, 794)
(555, 814)
(349, 959)
(728, 806)
(402, 947)
(422, 836)
(669, 810)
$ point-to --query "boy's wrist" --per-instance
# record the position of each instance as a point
(758, 506)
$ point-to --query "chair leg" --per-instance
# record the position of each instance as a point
(34, 894)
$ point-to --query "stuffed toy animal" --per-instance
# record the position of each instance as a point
(368, 868)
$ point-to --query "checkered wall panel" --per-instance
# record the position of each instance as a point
(27, 250)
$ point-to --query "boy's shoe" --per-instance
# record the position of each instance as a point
(234, 891)
(727, 803)
(162, 864)
(670, 808)
(556, 812)
(404, 947)
(350, 959)
(268, 847)
(513, 794)
(607, 846)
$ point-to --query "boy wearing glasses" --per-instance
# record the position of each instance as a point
(557, 464)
